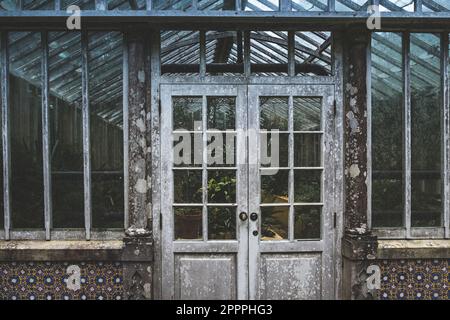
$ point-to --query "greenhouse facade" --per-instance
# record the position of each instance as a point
(225, 149)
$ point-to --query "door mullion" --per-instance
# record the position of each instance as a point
(291, 168)
(204, 171)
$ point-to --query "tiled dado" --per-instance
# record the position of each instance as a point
(48, 281)
(414, 279)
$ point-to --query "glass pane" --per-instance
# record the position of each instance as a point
(307, 150)
(106, 128)
(396, 5)
(187, 186)
(221, 113)
(307, 222)
(387, 130)
(274, 187)
(425, 130)
(188, 223)
(66, 131)
(307, 184)
(216, 5)
(187, 149)
(269, 52)
(221, 149)
(353, 5)
(38, 4)
(261, 5)
(313, 53)
(274, 223)
(274, 113)
(27, 207)
(126, 5)
(221, 223)
(435, 5)
(310, 5)
(307, 114)
(172, 4)
(180, 47)
(8, 5)
(221, 186)
(224, 52)
(187, 113)
(82, 4)
(274, 149)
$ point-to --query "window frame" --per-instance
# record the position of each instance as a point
(407, 231)
(48, 233)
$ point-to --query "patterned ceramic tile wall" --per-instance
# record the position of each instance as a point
(48, 281)
(415, 279)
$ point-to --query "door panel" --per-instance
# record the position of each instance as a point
(239, 220)
(203, 191)
(290, 239)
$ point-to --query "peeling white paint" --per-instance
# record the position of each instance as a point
(141, 186)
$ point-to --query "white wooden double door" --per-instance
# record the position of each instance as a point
(246, 206)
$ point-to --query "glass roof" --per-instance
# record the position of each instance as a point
(247, 5)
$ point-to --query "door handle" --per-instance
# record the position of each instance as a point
(254, 216)
(243, 216)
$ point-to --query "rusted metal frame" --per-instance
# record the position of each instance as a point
(418, 6)
(86, 134)
(202, 44)
(204, 170)
(291, 53)
(369, 133)
(445, 130)
(46, 159)
(291, 191)
(6, 143)
(407, 132)
(155, 74)
(247, 61)
(331, 5)
(338, 144)
(125, 90)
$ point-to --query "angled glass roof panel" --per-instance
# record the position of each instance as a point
(8, 5)
(216, 4)
(396, 5)
(82, 4)
(352, 5)
(310, 5)
(126, 4)
(435, 5)
(262, 5)
(172, 5)
(38, 5)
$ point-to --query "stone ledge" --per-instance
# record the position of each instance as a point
(413, 249)
(55, 250)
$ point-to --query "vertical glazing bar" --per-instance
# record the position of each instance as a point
(194, 4)
(445, 125)
(285, 5)
(238, 4)
(375, 2)
(204, 171)
(247, 62)
(57, 5)
(369, 134)
(149, 5)
(19, 5)
(331, 5)
(125, 127)
(101, 5)
(291, 53)
(407, 131)
(202, 53)
(46, 137)
(86, 133)
(5, 133)
(291, 167)
(418, 6)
